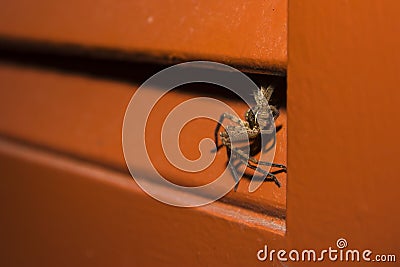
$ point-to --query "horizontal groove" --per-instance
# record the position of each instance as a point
(265, 210)
(48, 49)
(131, 73)
(221, 209)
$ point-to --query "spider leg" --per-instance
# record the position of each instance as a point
(266, 163)
(245, 160)
(268, 176)
(255, 148)
(235, 176)
(232, 169)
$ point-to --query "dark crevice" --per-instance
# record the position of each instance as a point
(119, 66)
(113, 65)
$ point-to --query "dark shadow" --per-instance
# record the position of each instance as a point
(112, 64)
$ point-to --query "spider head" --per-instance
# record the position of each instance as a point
(263, 116)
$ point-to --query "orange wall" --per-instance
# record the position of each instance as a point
(343, 80)
(251, 34)
(342, 166)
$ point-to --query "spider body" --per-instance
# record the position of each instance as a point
(259, 121)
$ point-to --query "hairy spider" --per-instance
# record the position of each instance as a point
(257, 122)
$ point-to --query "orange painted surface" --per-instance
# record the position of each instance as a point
(251, 33)
(342, 159)
(343, 129)
(83, 117)
(63, 212)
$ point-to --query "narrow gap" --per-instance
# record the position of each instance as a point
(114, 69)
(122, 70)
(11, 44)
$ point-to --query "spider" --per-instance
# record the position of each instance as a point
(257, 123)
